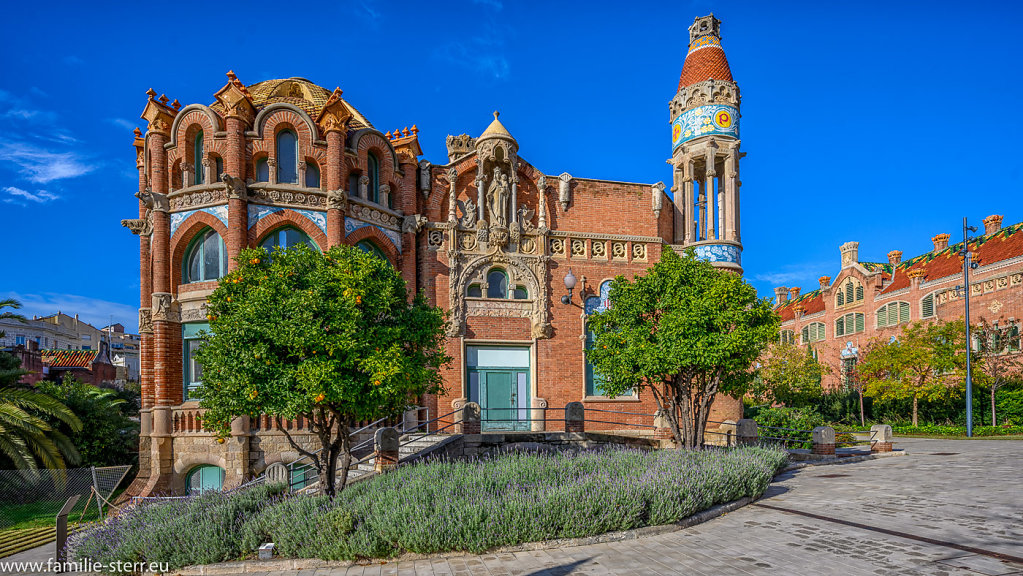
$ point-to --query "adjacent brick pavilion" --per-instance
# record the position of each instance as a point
(486, 234)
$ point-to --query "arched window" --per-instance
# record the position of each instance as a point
(262, 170)
(204, 478)
(287, 157)
(927, 306)
(520, 293)
(787, 337)
(206, 257)
(219, 163)
(497, 284)
(312, 175)
(373, 171)
(851, 323)
(197, 158)
(850, 292)
(285, 238)
(813, 332)
(892, 314)
(474, 291)
(371, 248)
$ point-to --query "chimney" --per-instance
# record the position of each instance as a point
(894, 257)
(794, 293)
(825, 281)
(915, 276)
(781, 295)
(940, 242)
(992, 224)
(850, 253)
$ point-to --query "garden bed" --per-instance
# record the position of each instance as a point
(439, 507)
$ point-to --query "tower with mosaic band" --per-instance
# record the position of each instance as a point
(705, 150)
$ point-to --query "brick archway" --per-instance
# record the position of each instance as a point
(373, 234)
(188, 230)
(282, 218)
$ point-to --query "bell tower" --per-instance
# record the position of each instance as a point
(705, 153)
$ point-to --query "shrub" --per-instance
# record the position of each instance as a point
(788, 426)
(444, 505)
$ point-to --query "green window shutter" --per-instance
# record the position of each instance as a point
(859, 322)
(806, 334)
(840, 327)
(849, 291)
(903, 312)
(839, 299)
(927, 306)
(859, 293)
(881, 317)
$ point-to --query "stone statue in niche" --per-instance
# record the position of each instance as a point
(497, 195)
(525, 216)
(468, 209)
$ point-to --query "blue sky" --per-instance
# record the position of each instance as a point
(884, 123)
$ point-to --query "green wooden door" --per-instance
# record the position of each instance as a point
(500, 406)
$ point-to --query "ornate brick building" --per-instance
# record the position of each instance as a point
(486, 234)
(874, 299)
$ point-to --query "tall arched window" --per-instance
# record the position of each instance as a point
(597, 303)
(371, 248)
(219, 168)
(197, 158)
(206, 257)
(813, 332)
(892, 314)
(850, 292)
(373, 171)
(497, 284)
(285, 238)
(262, 170)
(287, 157)
(312, 175)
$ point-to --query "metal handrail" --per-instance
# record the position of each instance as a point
(618, 412)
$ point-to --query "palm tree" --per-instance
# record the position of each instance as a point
(25, 438)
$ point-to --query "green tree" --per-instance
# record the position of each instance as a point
(332, 337)
(26, 438)
(789, 375)
(112, 437)
(10, 365)
(1001, 363)
(925, 361)
(685, 331)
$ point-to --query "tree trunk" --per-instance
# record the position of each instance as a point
(994, 417)
(914, 411)
(863, 421)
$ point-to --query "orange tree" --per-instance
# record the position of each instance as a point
(684, 331)
(789, 375)
(927, 360)
(332, 337)
(1001, 362)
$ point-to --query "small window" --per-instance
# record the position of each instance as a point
(192, 370)
(312, 175)
(787, 337)
(262, 170)
(474, 291)
(206, 258)
(497, 284)
(521, 293)
(287, 157)
(813, 332)
(204, 478)
(219, 168)
(927, 306)
(851, 323)
(285, 238)
(197, 158)
(371, 248)
(373, 166)
(353, 184)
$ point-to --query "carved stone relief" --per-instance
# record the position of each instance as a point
(375, 216)
(183, 200)
(522, 270)
(557, 246)
(235, 186)
(194, 314)
(424, 177)
(564, 189)
(145, 321)
(163, 308)
(336, 199)
(413, 223)
(312, 198)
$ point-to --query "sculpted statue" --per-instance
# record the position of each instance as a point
(497, 195)
(146, 197)
(235, 186)
(525, 217)
(468, 209)
(336, 199)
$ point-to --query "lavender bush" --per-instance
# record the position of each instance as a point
(443, 505)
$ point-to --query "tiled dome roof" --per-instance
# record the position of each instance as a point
(705, 61)
(299, 92)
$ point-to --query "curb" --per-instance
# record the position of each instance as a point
(284, 565)
(834, 461)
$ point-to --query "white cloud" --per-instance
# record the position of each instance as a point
(42, 166)
(97, 312)
(122, 123)
(40, 196)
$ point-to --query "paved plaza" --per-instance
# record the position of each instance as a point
(949, 507)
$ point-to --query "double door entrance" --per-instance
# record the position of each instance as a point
(498, 378)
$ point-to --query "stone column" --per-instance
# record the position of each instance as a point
(732, 177)
(514, 199)
(237, 204)
(575, 418)
(237, 457)
(452, 194)
(690, 201)
(538, 414)
(709, 175)
(335, 183)
(824, 440)
(880, 438)
(385, 446)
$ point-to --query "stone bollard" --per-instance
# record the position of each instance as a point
(471, 418)
(746, 432)
(824, 440)
(385, 443)
(880, 438)
(575, 417)
(538, 416)
(726, 433)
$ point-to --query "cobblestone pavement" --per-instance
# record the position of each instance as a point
(950, 507)
(952, 492)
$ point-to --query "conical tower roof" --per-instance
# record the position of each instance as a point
(496, 130)
(706, 58)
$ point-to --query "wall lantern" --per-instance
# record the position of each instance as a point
(570, 285)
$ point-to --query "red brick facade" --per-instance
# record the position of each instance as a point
(919, 288)
(446, 228)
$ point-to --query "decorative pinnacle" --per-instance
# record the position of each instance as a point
(496, 114)
(163, 99)
(137, 132)
(151, 93)
(231, 75)
(415, 129)
(176, 104)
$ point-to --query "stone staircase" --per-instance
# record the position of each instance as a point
(410, 446)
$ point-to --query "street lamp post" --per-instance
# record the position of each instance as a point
(967, 265)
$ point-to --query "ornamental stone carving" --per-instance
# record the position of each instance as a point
(425, 183)
(557, 246)
(459, 146)
(435, 239)
(564, 189)
(145, 321)
(194, 314)
(364, 187)
(522, 270)
(336, 199)
(413, 223)
(498, 195)
(179, 200)
(235, 187)
(468, 209)
(163, 308)
(140, 226)
(657, 191)
(374, 216)
(311, 197)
